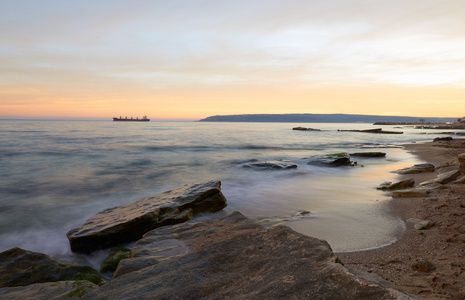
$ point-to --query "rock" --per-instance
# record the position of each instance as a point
(397, 185)
(424, 266)
(443, 178)
(110, 263)
(168, 242)
(245, 161)
(271, 165)
(420, 168)
(49, 290)
(333, 160)
(134, 264)
(127, 223)
(305, 129)
(461, 180)
(369, 154)
(21, 267)
(440, 139)
(234, 258)
(375, 130)
(279, 220)
(411, 193)
(420, 224)
(461, 159)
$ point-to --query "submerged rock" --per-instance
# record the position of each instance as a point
(127, 223)
(305, 129)
(271, 165)
(20, 267)
(397, 185)
(375, 130)
(333, 160)
(369, 154)
(420, 168)
(235, 258)
(279, 220)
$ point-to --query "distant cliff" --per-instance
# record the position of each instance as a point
(321, 118)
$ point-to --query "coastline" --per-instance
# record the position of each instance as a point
(443, 244)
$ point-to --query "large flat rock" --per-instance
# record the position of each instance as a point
(168, 242)
(127, 223)
(235, 258)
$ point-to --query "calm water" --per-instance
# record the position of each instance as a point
(54, 175)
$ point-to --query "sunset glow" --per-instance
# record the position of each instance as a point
(192, 59)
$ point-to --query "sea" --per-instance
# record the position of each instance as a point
(55, 175)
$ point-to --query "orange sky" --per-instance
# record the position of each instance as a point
(193, 59)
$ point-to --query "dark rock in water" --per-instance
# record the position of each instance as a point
(280, 220)
(110, 263)
(397, 185)
(420, 168)
(369, 154)
(375, 130)
(333, 160)
(233, 258)
(238, 162)
(20, 267)
(73, 290)
(271, 165)
(439, 139)
(126, 223)
(305, 129)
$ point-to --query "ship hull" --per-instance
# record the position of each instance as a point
(144, 119)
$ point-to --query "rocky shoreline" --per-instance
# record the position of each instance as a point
(236, 258)
(440, 248)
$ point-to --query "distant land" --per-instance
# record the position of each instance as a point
(323, 118)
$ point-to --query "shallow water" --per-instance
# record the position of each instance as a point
(54, 175)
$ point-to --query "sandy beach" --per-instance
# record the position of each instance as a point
(442, 245)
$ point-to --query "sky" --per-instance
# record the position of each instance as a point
(190, 59)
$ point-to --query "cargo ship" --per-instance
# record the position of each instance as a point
(126, 119)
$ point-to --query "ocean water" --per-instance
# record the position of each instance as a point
(54, 175)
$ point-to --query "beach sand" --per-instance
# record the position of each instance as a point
(443, 245)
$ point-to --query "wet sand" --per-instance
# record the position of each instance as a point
(443, 245)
